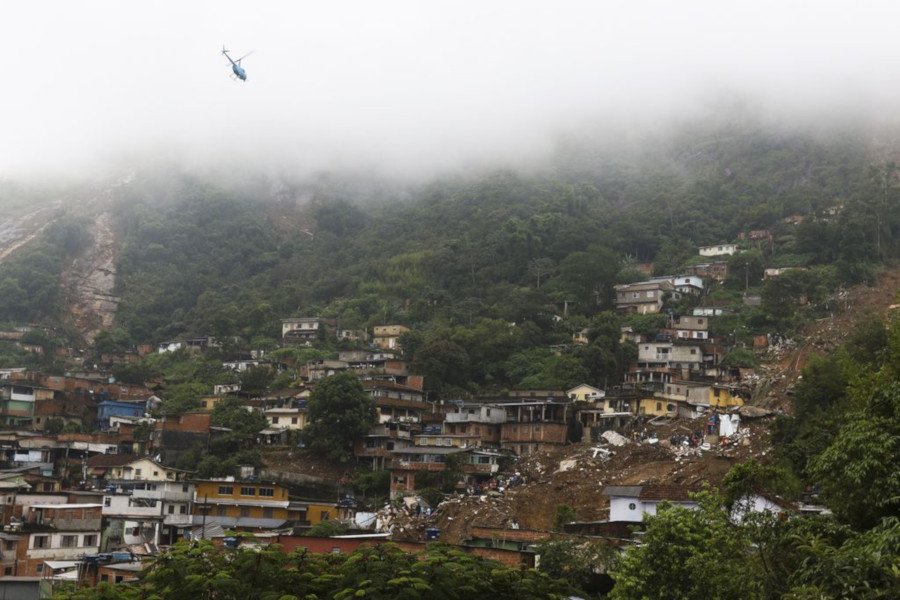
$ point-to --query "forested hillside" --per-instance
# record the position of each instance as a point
(461, 257)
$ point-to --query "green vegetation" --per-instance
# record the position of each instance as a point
(340, 413)
(198, 570)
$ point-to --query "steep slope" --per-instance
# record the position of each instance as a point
(88, 283)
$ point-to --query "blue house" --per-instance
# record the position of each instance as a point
(117, 408)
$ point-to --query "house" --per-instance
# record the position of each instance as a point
(719, 250)
(304, 330)
(657, 407)
(109, 408)
(388, 336)
(176, 435)
(244, 505)
(9, 550)
(585, 393)
(57, 532)
(580, 337)
(353, 335)
(194, 345)
(482, 420)
(381, 440)
(691, 327)
(17, 401)
(644, 298)
(476, 465)
(293, 418)
(709, 311)
(629, 503)
(688, 284)
(613, 410)
(531, 426)
(146, 511)
(757, 236)
(717, 270)
(724, 397)
(321, 369)
(397, 402)
(685, 357)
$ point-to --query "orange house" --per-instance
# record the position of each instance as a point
(254, 506)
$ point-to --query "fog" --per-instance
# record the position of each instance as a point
(413, 87)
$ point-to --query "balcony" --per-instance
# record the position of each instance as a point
(420, 466)
(178, 520)
(170, 495)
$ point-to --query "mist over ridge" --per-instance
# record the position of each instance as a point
(413, 91)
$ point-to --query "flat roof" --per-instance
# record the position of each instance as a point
(67, 506)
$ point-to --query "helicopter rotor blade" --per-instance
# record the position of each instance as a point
(245, 56)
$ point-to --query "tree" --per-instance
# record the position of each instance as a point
(444, 365)
(577, 561)
(540, 268)
(340, 413)
(858, 471)
(199, 571)
(686, 554)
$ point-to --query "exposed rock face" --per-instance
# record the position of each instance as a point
(89, 281)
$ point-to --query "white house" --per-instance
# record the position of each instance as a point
(719, 250)
(629, 503)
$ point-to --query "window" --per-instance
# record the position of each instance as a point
(171, 509)
(267, 492)
(226, 490)
(182, 509)
(248, 491)
(220, 511)
(40, 568)
(41, 541)
(10, 546)
(107, 500)
(69, 541)
(323, 516)
(184, 487)
(89, 540)
(245, 511)
(274, 420)
(293, 420)
(268, 513)
(104, 578)
(137, 473)
(659, 406)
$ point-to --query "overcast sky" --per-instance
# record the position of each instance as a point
(418, 84)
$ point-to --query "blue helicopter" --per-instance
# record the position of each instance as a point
(239, 71)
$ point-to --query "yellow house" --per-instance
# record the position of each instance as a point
(585, 393)
(254, 506)
(656, 407)
(723, 396)
(209, 402)
(286, 418)
(145, 469)
(387, 337)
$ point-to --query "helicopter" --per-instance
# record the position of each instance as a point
(239, 71)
